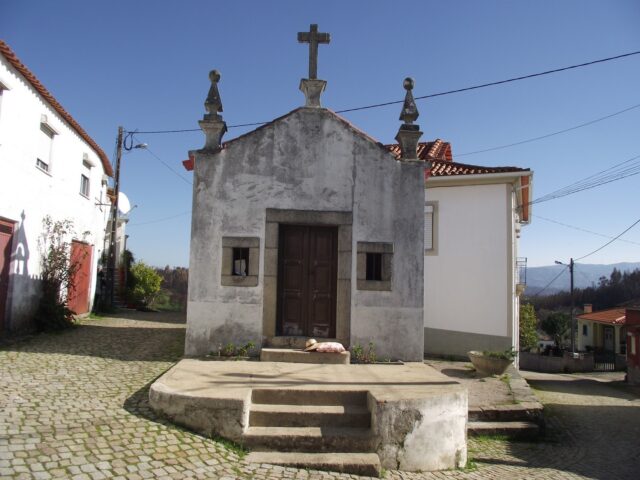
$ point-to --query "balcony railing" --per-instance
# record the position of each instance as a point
(521, 272)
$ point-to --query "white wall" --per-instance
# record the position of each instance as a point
(27, 194)
(467, 282)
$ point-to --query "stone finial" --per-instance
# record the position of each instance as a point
(409, 134)
(212, 124)
(213, 103)
(312, 87)
(409, 113)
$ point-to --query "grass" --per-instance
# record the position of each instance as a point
(234, 447)
(491, 438)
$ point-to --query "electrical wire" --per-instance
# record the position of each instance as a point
(549, 284)
(432, 95)
(158, 220)
(552, 134)
(611, 174)
(188, 182)
(583, 229)
(610, 241)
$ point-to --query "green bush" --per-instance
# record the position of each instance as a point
(145, 284)
(57, 272)
(528, 328)
(556, 324)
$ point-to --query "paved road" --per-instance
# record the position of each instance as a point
(74, 405)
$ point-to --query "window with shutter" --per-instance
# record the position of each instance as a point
(428, 227)
(45, 141)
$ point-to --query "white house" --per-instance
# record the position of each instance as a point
(49, 165)
(473, 278)
(602, 331)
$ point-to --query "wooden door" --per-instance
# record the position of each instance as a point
(307, 279)
(78, 295)
(608, 339)
(6, 234)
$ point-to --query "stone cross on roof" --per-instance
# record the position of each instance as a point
(313, 38)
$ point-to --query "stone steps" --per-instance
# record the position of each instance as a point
(300, 356)
(522, 421)
(310, 416)
(284, 396)
(366, 464)
(515, 429)
(308, 439)
(317, 429)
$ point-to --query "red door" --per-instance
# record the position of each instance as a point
(307, 281)
(6, 233)
(78, 296)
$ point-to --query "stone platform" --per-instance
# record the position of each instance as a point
(300, 356)
(411, 416)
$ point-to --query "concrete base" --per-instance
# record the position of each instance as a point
(418, 416)
(452, 344)
(300, 356)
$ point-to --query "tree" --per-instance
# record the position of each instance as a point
(146, 283)
(528, 327)
(57, 273)
(556, 325)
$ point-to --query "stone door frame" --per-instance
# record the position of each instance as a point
(344, 222)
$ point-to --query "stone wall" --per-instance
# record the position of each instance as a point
(308, 161)
(549, 364)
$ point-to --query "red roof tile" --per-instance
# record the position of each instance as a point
(40, 88)
(612, 316)
(446, 168)
(436, 150)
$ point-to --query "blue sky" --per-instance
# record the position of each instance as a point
(144, 65)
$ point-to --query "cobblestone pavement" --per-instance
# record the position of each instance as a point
(74, 405)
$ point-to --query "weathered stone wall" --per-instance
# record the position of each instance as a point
(421, 432)
(309, 160)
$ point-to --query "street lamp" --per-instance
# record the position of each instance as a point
(573, 326)
(111, 268)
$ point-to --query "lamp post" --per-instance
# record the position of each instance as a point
(111, 265)
(573, 326)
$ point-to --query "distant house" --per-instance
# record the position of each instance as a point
(49, 165)
(473, 277)
(603, 331)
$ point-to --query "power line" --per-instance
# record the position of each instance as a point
(610, 241)
(168, 166)
(541, 137)
(433, 95)
(549, 284)
(584, 229)
(611, 174)
(158, 220)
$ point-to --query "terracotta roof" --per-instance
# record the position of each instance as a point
(439, 153)
(447, 168)
(612, 316)
(40, 88)
(436, 150)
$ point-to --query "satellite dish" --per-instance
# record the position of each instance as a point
(124, 205)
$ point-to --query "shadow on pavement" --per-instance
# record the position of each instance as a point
(583, 386)
(592, 441)
(150, 336)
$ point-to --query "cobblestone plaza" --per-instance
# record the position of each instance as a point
(74, 405)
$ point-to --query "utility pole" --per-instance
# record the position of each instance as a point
(573, 323)
(111, 269)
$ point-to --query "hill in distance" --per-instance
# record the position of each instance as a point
(585, 275)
